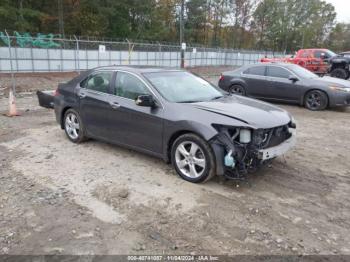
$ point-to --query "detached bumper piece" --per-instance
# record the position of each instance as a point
(46, 98)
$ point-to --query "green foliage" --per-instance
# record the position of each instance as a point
(283, 25)
(293, 24)
(339, 39)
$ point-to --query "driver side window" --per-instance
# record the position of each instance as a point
(278, 72)
(129, 86)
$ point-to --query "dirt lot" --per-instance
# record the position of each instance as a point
(60, 198)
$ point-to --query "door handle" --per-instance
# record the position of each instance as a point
(114, 105)
(82, 95)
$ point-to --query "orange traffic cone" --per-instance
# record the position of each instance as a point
(12, 104)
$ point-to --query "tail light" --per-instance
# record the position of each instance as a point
(56, 93)
(221, 77)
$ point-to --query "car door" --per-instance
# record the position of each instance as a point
(281, 87)
(94, 104)
(255, 78)
(130, 124)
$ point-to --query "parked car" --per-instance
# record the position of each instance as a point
(315, 60)
(176, 116)
(287, 83)
(340, 66)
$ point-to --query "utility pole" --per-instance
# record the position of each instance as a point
(12, 90)
(182, 39)
(60, 18)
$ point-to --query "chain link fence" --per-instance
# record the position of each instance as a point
(52, 54)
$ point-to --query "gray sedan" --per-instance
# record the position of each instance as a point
(174, 115)
(287, 83)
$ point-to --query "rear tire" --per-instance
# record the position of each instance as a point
(316, 100)
(73, 126)
(340, 73)
(237, 90)
(193, 158)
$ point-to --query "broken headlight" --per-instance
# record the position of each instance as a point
(260, 136)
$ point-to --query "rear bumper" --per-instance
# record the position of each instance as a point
(273, 152)
(46, 99)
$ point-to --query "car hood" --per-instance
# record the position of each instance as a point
(255, 113)
(327, 80)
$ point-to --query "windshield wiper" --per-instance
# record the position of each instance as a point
(217, 97)
(189, 102)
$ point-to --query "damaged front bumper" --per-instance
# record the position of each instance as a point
(249, 157)
(273, 152)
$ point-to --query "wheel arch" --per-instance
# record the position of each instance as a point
(64, 110)
(338, 64)
(173, 138)
(238, 82)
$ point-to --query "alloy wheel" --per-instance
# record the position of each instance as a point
(72, 126)
(190, 159)
(238, 90)
(314, 100)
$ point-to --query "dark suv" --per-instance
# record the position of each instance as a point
(339, 66)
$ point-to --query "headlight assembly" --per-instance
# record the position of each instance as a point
(341, 89)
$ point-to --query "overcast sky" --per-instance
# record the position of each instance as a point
(342, 8)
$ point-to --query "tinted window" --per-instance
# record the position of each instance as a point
(274, 71)
(129, 86)
(302, 72)
(306, 54)
(318, 54)
(98, 82)
(324, 54)
(330, 53)
(257, 70)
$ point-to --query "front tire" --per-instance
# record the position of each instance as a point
(340, 73)
(193, 158)
(73, 126)
(316, 100)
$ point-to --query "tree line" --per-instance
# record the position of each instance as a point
(279, 25)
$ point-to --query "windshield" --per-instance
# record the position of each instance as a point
(183, 87)
(330, 53)
(302, 72)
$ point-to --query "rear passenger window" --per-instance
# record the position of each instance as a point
(279, 72)
(98, 82)
(257, 70)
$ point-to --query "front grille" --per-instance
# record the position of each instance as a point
(266, 138)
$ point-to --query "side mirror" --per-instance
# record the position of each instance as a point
(293, 78)
(145, 100)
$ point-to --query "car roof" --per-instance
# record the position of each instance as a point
(270, 64)
(315, 49)
(280, 64)
(137, 69)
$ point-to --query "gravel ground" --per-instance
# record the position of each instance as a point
(60, 198)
